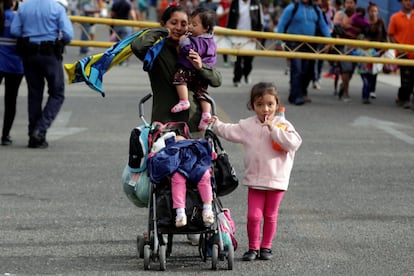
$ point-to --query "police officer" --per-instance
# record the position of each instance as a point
(43, 28)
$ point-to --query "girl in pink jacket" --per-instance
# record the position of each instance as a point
(270, 143)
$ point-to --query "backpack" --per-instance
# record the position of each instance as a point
(135, 179)
(138, 148)
(295, 9)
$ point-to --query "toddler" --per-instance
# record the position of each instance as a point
(201, 40)
(190, 162)
(359, 23)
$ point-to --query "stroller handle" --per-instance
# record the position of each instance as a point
(141, 107)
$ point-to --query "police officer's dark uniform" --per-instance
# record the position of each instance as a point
(43, 28)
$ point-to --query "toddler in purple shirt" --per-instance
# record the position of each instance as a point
(201, 40)
(359, 23)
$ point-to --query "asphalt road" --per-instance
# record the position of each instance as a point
(349, 209)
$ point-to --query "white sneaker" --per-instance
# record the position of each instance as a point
(180, 221)
(237, 84)
(372, 95)
(208, 217)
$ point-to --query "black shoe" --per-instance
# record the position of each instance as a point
(250, 255)
(6, 141)
(307, 99)
(265, 254)
(37, 140)
(341, 91)
(366, 101)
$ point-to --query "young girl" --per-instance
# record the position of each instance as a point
(201, 40)
(267, 168)
(366, 71)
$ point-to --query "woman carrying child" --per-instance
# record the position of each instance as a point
(174, 24)
(267, 169)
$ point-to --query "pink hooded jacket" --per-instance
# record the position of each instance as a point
(265, 168)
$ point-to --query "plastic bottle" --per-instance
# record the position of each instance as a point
(280, 113)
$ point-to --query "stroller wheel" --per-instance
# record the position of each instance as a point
(214, 257)
(163, 257)
(147, 256)
(230, 257)
(140, 246)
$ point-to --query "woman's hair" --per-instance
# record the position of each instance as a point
(4, 5)
(207, 17)
(259, 90)
(170, 10)
(371, 5)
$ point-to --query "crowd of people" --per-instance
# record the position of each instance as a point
(340, 19)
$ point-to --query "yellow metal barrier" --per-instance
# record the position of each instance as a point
(266, 51)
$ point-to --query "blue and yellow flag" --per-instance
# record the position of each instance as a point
(92, 68)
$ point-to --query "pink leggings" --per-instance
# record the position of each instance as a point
(262, 204)
(178, 189)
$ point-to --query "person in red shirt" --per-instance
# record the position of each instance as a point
(400, 31)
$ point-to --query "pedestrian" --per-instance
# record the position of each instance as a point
(43, 28)
(201, 40)
(208, 4)
(301, 18)
(244, 15)
(267, 168)
(268, 25)
(174, 24)
(342, 22)
(327, 15)
(376, 32)
(222, 14)
(400, 30)
(90, 8)
(359, 23)
(11, 69)
(122, 9)
(366, 71)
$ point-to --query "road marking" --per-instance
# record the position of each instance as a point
(59, 127)
(386, 126)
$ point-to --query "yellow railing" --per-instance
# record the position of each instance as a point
(270, 36)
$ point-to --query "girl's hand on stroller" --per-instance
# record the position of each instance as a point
(195, 59)
(213, 119)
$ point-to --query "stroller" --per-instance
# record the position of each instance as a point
(216, 242)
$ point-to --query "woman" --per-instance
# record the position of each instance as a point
(376, 32)
(174, 24)
(11, 69)
(342, 18)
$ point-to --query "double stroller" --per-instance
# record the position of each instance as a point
(216, 241)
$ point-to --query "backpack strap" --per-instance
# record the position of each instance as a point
(295, 9)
